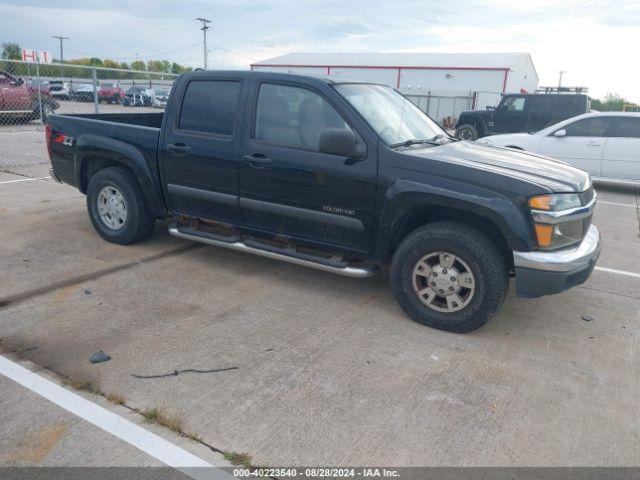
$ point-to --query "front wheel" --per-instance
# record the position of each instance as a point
(449, 276)
(117, 207)
(467, 132)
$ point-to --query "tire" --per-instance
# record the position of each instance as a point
(467, 132)
(127, 225)
(474, 252)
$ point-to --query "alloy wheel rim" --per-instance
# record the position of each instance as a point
(112, 207)
(465, 134)
(443, 282)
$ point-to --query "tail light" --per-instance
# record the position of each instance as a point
(49, 137)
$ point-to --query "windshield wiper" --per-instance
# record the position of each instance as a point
(443, 135)
(413, 141)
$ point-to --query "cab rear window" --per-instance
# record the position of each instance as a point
(209, 106)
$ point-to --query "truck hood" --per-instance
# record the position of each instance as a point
(537, 169)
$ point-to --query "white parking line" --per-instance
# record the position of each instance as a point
(618, 204)
(24, 180)
(618, 272)
(150, 443)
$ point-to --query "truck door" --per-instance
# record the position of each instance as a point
(538, 110)
(287, 186)
(510, 115)
(620, 158)
(199, 150)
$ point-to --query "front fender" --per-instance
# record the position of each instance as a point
(404, 196)
(90, 146)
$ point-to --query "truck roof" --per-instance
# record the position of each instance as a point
(275, 76)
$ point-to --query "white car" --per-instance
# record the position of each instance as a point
(605, 144)
(60, 89)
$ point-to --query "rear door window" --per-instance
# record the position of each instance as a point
(569, 103)
(589, 127)
(539, 104)
(627, 128)
(209, 106)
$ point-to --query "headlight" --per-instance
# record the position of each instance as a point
(554, 203)
(484, 140)
(555, 226)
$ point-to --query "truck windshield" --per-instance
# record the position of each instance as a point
(391, 115)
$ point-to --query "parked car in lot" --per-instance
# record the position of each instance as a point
(21, 101)
(160, 98)
(340, 176)
(607, 144)
(520, 113)
(138, 96)
(83, 92)
(35, 84)
(110, 93)
(60, 89)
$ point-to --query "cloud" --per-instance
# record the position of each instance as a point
(587, 38)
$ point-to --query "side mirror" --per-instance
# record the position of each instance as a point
(560, 133)
(339, 141)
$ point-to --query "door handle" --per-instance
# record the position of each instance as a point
(258, 160)
(178, 148)
(593, 144)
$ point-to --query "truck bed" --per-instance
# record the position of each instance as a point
(138, 133)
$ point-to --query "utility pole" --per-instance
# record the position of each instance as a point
(61, 50)
(204, 29)
(562, 72)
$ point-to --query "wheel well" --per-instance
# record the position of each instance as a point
(421, 216)
(92, 165)
(474, 122)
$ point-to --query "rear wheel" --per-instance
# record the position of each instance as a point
(467, 132)
(449, 276)
(117, 207)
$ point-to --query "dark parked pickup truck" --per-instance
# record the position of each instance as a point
(340, 176)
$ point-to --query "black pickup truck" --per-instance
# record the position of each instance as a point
(341, 176)
(521, 113)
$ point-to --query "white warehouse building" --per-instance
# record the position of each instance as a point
(441, 84)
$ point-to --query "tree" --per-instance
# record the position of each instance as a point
(612, 102)
(11, 51)
(138, 65)
(109, 63)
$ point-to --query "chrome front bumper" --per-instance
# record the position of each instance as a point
(542, 272)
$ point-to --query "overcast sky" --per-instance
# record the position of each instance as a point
(595, 42)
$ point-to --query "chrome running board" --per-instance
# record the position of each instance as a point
(347, 271)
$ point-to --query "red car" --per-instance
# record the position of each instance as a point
(20, 100)
(110, 93)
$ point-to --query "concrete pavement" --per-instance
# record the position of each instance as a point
(329, 370)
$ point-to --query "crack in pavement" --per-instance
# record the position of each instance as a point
(4, 170)
(608, 291)
(28, 294)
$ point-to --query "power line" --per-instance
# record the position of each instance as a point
(234, 53)
(204, 29)
(61, 50)
(136, 57)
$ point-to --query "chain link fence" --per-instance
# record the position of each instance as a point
(444, 109)
(31, 91)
